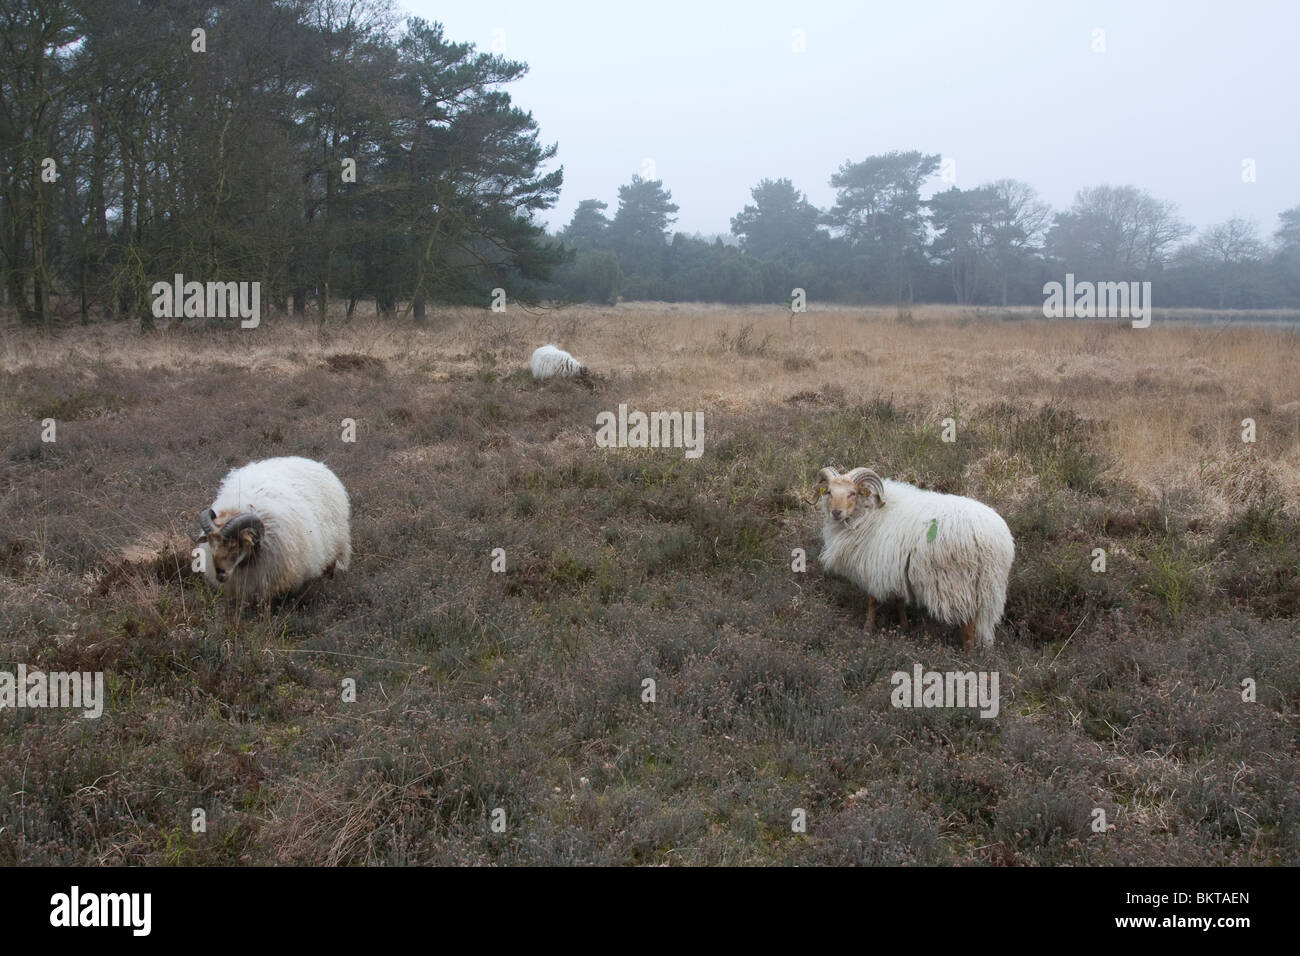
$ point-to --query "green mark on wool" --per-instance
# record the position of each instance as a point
(934, 530)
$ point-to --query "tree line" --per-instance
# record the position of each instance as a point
(319, 147)
(995, 244)
(329, 150)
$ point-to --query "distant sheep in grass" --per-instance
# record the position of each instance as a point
(552, 362)
(952, 555)
(275, 525)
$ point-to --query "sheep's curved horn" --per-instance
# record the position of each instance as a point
(865, 476)
(823, 478)
(244, 522)
(205, 520)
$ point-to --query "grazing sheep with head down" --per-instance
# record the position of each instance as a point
(275, 525)
(952, 555)
(551, 362)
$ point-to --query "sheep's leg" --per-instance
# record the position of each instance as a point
(329, 571)
(871, 612)
(902, 612)
(968, 635)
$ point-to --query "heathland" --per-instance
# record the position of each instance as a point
(1161, 691)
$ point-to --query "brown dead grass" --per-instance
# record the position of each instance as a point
(1171, 398)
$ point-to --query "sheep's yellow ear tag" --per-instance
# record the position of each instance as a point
(934, 530)
(822, 489)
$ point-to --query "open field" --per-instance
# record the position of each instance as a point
(1120, 690)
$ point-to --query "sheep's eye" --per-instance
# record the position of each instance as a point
(853, 494)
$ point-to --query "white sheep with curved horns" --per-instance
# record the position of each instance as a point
(275, 525)
(952, 555)
(552, 362)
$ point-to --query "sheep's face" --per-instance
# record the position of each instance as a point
(225, 553)
(840, 499)
(845, 498)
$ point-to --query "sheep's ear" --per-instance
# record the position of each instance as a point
(248, 538)
(823, 479)
(868, 480)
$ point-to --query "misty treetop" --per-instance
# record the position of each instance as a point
(330, 150)
(880, 242)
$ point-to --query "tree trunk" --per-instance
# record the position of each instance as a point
(84, 282)
(40, 307)
(98, 162)
(18, 295)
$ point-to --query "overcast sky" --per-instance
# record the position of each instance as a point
(714, 95)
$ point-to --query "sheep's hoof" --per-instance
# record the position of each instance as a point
(968, 637)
